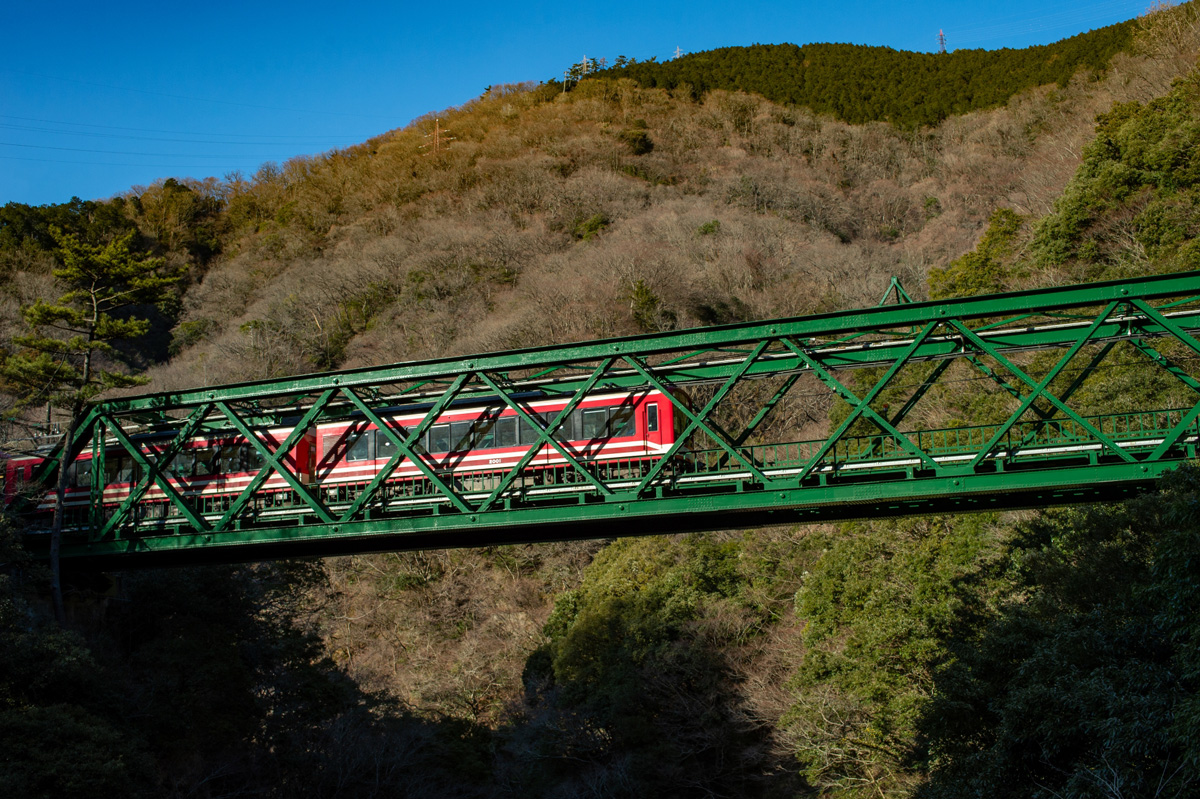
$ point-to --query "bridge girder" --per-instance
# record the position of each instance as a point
(1044, 451)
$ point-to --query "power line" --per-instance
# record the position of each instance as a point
(177, 132)
(113, 163)
(192, 99)
(95, 135)
(113, 152)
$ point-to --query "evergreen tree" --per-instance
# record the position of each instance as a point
(69, 341)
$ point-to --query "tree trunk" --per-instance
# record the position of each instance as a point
(60, 613)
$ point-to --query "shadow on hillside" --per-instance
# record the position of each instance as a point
(1081, 680)
(199, 682)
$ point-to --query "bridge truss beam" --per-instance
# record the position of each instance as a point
(723, 471)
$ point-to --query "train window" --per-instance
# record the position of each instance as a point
(460, 436)
(527, 433)
(206, 463)
(80, 474)
(229, 458)
(566, 432)
(621, 423)
(359, 448)
(117, 468)
(384, 447)
(506, 431)
(181, 464)
(439, 438)
(484, 436)
(252, 459)
(329, 445)
(595, 423)
(652, 417)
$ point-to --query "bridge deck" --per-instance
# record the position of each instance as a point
(1036, 349)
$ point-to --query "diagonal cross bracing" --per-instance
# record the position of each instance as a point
(862, 407)
(1038, 391)
(404, 449)
(1067, 451)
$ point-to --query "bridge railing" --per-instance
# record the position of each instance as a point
(1020, 440)
(711, 469)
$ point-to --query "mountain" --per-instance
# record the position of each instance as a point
(858, 83)
(1024, 654)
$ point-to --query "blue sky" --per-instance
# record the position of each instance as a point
(96, 98)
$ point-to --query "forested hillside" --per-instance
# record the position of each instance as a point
(1016, 655)
(858, 83)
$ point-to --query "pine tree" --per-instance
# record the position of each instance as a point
(61, 357)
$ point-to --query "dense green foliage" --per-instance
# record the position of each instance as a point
(1082, 679)
(1133, 208)
(30, 226)
(633, 656)
(857, 83)
(59, 356)
(1134, 205)
(181, 220)
(879, 602)
(200, 683)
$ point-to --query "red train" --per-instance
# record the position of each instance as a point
(471, 446)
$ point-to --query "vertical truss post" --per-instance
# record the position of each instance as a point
(99, 478)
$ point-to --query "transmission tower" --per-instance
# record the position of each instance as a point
(941, 41)
(678, 51)
(438, 135)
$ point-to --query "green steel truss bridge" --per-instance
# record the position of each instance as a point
(731, 467)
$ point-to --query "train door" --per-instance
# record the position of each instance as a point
(305, 456)
(652, 419)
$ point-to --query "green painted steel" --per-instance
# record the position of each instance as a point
(730, 385)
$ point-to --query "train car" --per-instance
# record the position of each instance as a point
(471, 446)
(207, 469)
